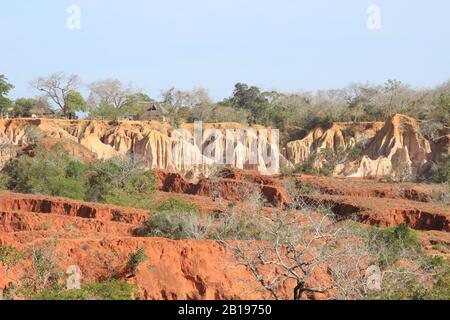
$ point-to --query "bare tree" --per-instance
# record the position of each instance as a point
(305, 252)
(110, 92)
(58, 88)
(289, 254)
(44, 269)
(173, 100)
(178, 99)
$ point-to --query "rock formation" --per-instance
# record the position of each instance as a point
(339, 135)
(394, 148)
(186, 149)
(398, 149)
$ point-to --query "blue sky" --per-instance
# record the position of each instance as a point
(287, 45)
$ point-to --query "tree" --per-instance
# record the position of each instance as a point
(441, 112)
(245, 96)
(121, 181)
(23, 106)
(394, 94)
(306, 248)
(75, 102)
(256, 102)
(62, 90)
(5, 87)
(107, 112)
(110, 92)
(176, 100)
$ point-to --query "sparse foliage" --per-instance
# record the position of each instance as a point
(136, 259)
(62, 90)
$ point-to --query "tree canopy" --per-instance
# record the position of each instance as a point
(5, 88)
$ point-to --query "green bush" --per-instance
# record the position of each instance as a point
(232, 204)
(66, 187)
(121, 182)
(175, 225)
(411, 288)
(174, 219)
(48, 172)
(177, 205)
(440, 172)
(111, 290)
(439, 290)
(389, 243)
(237, 227)
(116, 181)
(308, 188)
(4, 179)
(136, 259)
(9, 256)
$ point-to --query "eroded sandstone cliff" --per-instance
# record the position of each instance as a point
(185, 149)
(388, 149)
(393, 148)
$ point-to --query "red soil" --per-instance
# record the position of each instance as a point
(100, 238)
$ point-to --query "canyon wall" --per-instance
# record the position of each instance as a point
(393, 148)
(386, 148)
(187, 149)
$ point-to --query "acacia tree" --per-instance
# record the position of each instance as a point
(306, 249)
(62, 91)
(110, 92)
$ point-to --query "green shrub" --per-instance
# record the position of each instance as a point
(327, 212)
(305, 168)
(440, 172)
(439, 290)
(136, 259)
(9, 256)
(177, 205)
(32, 174)
(121, 182)
(174, 219)
(4, 179)
(48, 172)
(44, 273)
(389, 243)
(431, 129)
(441, 196)
(232, 204)
(409, 287)
(237, 227)
(111, 290)
(308, 188)
(118, 181)
(175, 225)
(66, 187)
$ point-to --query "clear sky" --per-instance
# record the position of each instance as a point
(288, 45)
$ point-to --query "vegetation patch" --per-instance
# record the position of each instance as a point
(118, 181)
(9, 256)
(110, 290)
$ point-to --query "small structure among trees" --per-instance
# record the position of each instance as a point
(150, 111)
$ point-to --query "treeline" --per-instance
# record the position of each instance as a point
(112, 100)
